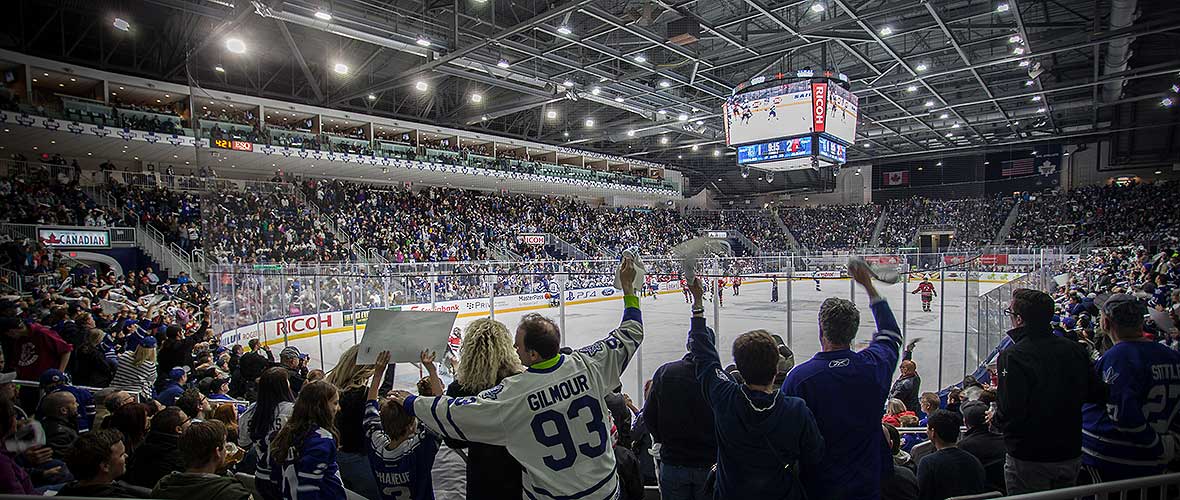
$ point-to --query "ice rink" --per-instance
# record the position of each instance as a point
(666, 320)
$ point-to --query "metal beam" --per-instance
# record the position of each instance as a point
(311, 80)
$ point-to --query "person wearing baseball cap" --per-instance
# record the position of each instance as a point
(173, 386)
(296, 364)
(1129, 436)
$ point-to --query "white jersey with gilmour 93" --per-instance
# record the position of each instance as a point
(553, 420)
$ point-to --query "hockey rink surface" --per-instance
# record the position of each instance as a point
(666, 321)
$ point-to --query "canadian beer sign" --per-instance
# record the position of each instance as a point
(74, 238)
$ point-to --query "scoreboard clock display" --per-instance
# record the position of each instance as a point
(232, 144)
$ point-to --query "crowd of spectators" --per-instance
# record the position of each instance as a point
(1102, 215)
(831, 227)
(975, 221)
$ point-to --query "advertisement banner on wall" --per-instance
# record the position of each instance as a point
(61, 237)
(531, 239)
(819, 106)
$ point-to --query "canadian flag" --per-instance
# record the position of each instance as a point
(899, 178)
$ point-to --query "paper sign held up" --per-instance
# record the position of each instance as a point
(405, 334)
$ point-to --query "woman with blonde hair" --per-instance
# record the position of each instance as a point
(486, 357)
(352, 380)
(136, 372)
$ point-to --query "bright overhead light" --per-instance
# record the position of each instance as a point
(235, 45)
(886, 31)
(943, 116)
(596, 91)
(340, 68)
(921, 67)
(1158, 172)
(665, 83)
(630, 133)
(662, 112)
(323, 15)
(929, 104)
(948, 134)
(817, 7)
(619, 99)
(503, 64)
(421, 86)
(1040, 110)
(483, 118)
(1002, 7)
(422, 41)
(955, 125)
(565, 134)
(939, 164)
(640, 58)
(716, 152)
(682, 117)
(589, 122)
(565, 30)
(1175, 88)
(1167, 102)
(121, 24)
(911, 88)
(219, 69)
(1024, 63)
(1018, 50)
(1036, 98)
(1015, 39)
(1029, 83)
(476, 97)
(696, 147)
(372, 97)
(663, 140)
(551, 115)
(567, 84)
(700, 122)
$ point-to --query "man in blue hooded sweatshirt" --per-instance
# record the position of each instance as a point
(762, 434)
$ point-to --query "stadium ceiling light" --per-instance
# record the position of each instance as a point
(679, 157)
(1158, 172)
(929, 104)
(1036, 98)
(589, 122)
(919, 169)
(235, 45)
(948, 134)
(551, 115)
(1003, 7)
(1024, 63)
(955, 125)
(716, 152)
(476, 97)
(640, 58)
(943, 116)
(630, 133)
(565, 134)
(219, 69)
(1167, 102)
(1018, 51)
(503, 63)
(886, 31)
(696, 147)
(921, 67)
(939, 164)
(323, 15)
(619, 99)
(1040, 110)
(1015, 39)
(565, 29)
(663, 140)
(372, 97)
(662, 112)
(866, 145)
(1175, 88)
(665, 83)
(421, 86)
(817, 7)
(596, 91)
(682, 117)
(567, 83)
(1029, 83)
(340, 68)
(911, 88)
(700, 122)
(422, 41)
(121, 24)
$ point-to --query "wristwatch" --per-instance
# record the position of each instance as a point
(698, 310)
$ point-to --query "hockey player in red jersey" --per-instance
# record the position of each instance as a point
(927, 290)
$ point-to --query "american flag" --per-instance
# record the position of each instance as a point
(1023, 166)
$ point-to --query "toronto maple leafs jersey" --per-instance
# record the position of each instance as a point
(1128, 436)
(313, 474)
(552, 419)
(403, 473)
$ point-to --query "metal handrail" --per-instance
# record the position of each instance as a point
(1090, 490)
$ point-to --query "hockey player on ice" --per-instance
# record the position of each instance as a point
(928, 293)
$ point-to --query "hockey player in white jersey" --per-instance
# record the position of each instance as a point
(552, 417)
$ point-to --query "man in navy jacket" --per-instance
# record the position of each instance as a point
(762, 435)
(846, 391)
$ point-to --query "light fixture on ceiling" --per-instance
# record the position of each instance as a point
(1036, 98)
(1158, 172)
(476, 97)
(1176, 88)
(589, 122)
(340, 68)
(235, 45)
(551, 115)
(700, 122)
(944, 116)
(630, 133)
(716, 152)
(219, 69)
(949, 134)
(921, 67)
(1018, 51)
(745, 171)
(1024, 63)
(640, 58)
(619, 99)
(323, 15)
(696, 147)
(565, 29)
(939, 164)
(1166, 102)
(596, 91)
(422, 41)
(121, 24)
(503, 63)
(663, 140)
(1040, 110)
(929, 104)
(372, 97)
(955, 125)
(567, 84)
(484, 118)
(1003, 7)
(665, 84)
(817, 7)
(1029, 83)
(1015, 39)
(886, 31)
(662, 112)
(682, 117)
(679, 157)
(421, 86)
(911, 88)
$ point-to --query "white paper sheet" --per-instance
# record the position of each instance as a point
(405, 334)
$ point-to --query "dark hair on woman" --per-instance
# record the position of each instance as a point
(273, 389)
(311, 408)
(131, 419)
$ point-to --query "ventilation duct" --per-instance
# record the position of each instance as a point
(1118, 51)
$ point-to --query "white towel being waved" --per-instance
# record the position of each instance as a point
(637, 264)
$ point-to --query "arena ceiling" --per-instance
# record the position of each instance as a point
(646, 78)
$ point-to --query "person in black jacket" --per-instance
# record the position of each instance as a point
(1043, 382)
(252, 365)
(902, 484)
(630, 479)
(908, 385)
(948, 472)
(679, 418)
(159, 454)
(97, 460)
(175, 351)
(983, 444)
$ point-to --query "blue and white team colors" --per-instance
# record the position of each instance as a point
(314, 473)
(1129, 436)
(403, 473)
(553, 419)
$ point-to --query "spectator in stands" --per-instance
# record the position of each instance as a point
(131, 420)
(194, 404)
(928, 402)
(983, 444)
(59, 418)
(174, 387)
(261, 420)
(908, 384)
(34, 349)
(91, 365)
(679, 418)
(252, 365)
(846, 392)
(949, 471)
(160, 453)
(401, 451)
(13, 478)
(1043, 382)
(901, 483)
(176, 351)
(630, 478)
(108, 402)
(1130, 436)
(303, 453)
(756, 446)
(352, 380)
(137, 369)
(203, 450)
(486, 358)
(295, 363)
(97, 459)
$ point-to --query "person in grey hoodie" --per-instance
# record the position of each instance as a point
(203, 448)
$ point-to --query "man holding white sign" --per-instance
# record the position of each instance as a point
(551, 417)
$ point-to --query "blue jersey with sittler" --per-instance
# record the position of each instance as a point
(1128, 436)
(846, 392)
(402, 472)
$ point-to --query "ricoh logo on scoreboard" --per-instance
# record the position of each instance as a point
(819, 105)
(74, 238)
(531, 239)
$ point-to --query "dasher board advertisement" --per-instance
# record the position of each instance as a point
(770, 113)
